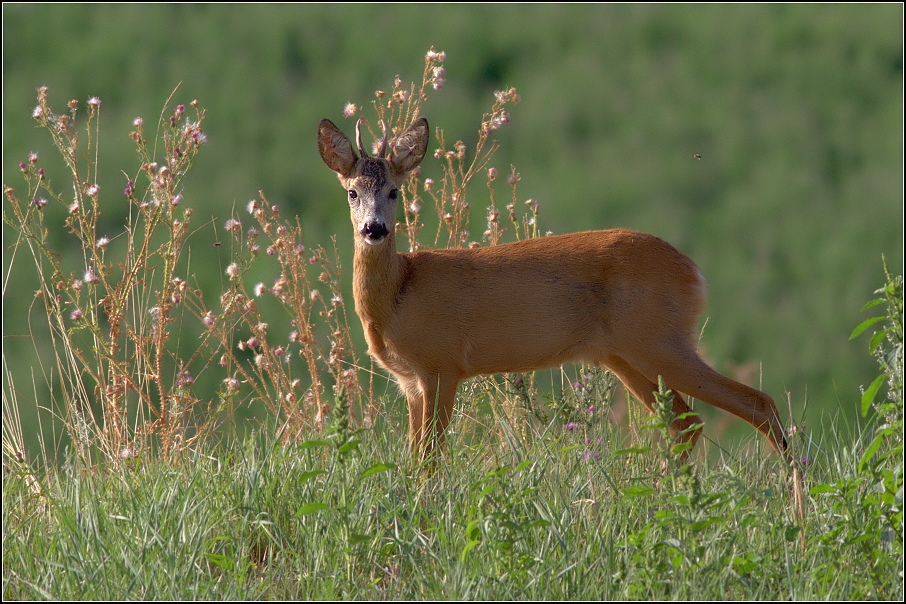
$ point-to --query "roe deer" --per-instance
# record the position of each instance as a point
(618, 298)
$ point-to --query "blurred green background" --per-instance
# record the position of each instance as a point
(795, 110)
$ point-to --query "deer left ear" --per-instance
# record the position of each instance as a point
(410, 147)
(335, 148)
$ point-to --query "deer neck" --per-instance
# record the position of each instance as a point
(377, 276)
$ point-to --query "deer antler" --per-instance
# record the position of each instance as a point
(382, 153)
(358, 136)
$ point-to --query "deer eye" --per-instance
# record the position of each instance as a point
(394, 193)
(353, 194)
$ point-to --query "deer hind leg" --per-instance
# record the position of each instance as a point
(687, 372)
(643, 389)
(438, 393)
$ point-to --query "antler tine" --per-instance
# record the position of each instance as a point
(358, 136)
(383, 151)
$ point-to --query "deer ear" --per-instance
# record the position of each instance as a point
(411, 146)
(335, 148)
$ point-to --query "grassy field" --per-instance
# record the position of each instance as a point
(516, 510)
(200, 422)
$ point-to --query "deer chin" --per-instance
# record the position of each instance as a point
(373, 241)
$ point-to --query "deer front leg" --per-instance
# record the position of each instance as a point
(438, 397)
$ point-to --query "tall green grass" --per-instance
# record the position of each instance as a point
(150, 488)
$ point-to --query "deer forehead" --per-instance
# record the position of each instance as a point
(372, 174)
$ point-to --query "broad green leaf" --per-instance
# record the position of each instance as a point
(791, 533)
(306, 476)
(822, 488)
(872, 303)
(864, 325)
(875, 340)
(356, 538)
(467, 548)
(870, 393)
(870, 451)
(311, 508)
(638, 491)
(313, 443)
(378, 467)
(632, 450)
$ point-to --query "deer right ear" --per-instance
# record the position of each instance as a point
(411, 146)
(335, 148)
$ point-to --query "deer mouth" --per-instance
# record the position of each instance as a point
(374, 232)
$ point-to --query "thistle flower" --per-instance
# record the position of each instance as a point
(260, 289)
(208, 319)
(102, 243)
(76, 314)
(350, 110)
(94, 102)
(39, 202)
(232, 225)
(91, 277)
(232, 271)
(231, 384)
(92, 191)
(184, 378)
(37, 113)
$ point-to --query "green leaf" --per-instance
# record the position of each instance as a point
(356, 538)
(473, 533)
(870, 393)
(313, 443)
(306, 476)
(875, 340)
(822, 488)
(872, 303)
(791, 533)
(864, 325)
(349, 445)
(467, 548)
(311, 508)
(378, 467)
(680, 447)
(871, 450)
(638, 491)
(632, 450)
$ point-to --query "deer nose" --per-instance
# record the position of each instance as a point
(374, 231)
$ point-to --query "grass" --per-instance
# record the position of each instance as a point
(260, 519)
(158, 494)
